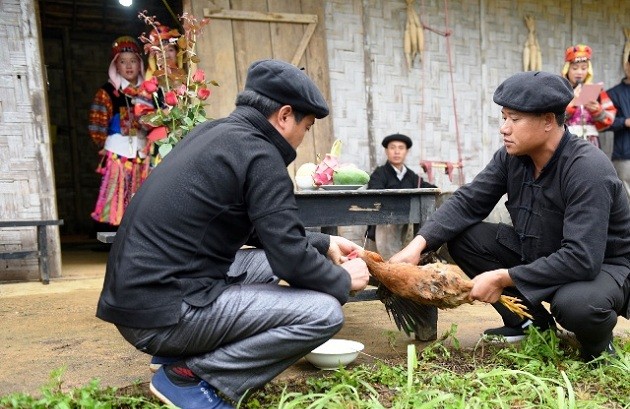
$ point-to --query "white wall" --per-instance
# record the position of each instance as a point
(373, 93)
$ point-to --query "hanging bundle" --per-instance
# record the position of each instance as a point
(414, 36)
(626, 47)
(532, 58)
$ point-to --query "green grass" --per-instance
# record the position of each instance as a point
(540, 372)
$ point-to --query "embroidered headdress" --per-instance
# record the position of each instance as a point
(124, 44)
(578, 53)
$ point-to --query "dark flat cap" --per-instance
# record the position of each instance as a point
(534, 91)
(286, 84)
(397, 137)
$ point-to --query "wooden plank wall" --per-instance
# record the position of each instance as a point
(228, 47)
(27, 188)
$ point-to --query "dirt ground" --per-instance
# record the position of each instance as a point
(46, 327)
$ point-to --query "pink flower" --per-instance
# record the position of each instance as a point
(203, 93)
(151, 85)
(181, 90)
(199, 76)
(170, 98)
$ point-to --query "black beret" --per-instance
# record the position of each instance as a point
(397, 137)
(286, 84)
(534, 91)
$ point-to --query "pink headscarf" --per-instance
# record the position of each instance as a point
(124, 44)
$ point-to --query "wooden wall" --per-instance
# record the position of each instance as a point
(76, 66)
(27, 188)
(374, 94)
(229, 45)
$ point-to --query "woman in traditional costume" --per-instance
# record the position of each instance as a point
(585, 120)
(114, 127)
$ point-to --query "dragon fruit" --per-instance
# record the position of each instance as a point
(325, 169)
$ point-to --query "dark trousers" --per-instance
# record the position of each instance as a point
(250, 334)
(589, 309)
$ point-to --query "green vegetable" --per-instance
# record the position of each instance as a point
(350, 176)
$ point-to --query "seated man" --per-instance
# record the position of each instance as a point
(390, 238)
(177, 284)
(570, 244)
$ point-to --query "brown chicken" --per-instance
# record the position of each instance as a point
(404, 288)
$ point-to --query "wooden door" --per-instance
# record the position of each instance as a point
(243, 31)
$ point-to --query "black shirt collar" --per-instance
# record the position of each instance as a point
(267, 131)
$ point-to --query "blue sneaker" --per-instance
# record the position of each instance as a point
(157, 362)
(199, 396)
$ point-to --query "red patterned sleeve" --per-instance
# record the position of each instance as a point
(606, 116)
(101, 112)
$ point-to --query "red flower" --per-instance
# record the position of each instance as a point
(141, 109)
(170, 98)
(157, 133)
(203, 93)
(151, 85)
(199, 76)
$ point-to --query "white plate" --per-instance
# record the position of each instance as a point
(341, 187)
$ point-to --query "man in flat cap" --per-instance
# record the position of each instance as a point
(568, 244)
(390, 238)
(179, 285)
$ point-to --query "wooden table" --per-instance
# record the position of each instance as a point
(329, 209)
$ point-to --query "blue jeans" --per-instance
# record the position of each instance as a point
(250, 334)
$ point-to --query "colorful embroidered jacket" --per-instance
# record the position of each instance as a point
(601, 119)
(109, 114)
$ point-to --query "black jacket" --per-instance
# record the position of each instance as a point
(570, 224)
(181, 231)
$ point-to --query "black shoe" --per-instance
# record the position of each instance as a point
(588, 356)
(507, 334)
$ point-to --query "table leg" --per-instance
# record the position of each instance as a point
(428, 332)
(42, 248)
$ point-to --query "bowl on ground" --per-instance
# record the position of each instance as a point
(334, 353)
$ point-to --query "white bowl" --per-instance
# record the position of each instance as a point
(304, 182)
(334, 353)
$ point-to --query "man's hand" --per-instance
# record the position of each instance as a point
(359, 274)
(339, 249)
(488, 286)
(411, 253)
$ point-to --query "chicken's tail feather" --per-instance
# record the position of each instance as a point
(407, 314)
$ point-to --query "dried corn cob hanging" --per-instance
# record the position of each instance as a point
(532, 58)
(626, 48)
(413, 43)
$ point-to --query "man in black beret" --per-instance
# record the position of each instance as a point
(568, 244)
(178, 284)
(394, 174)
